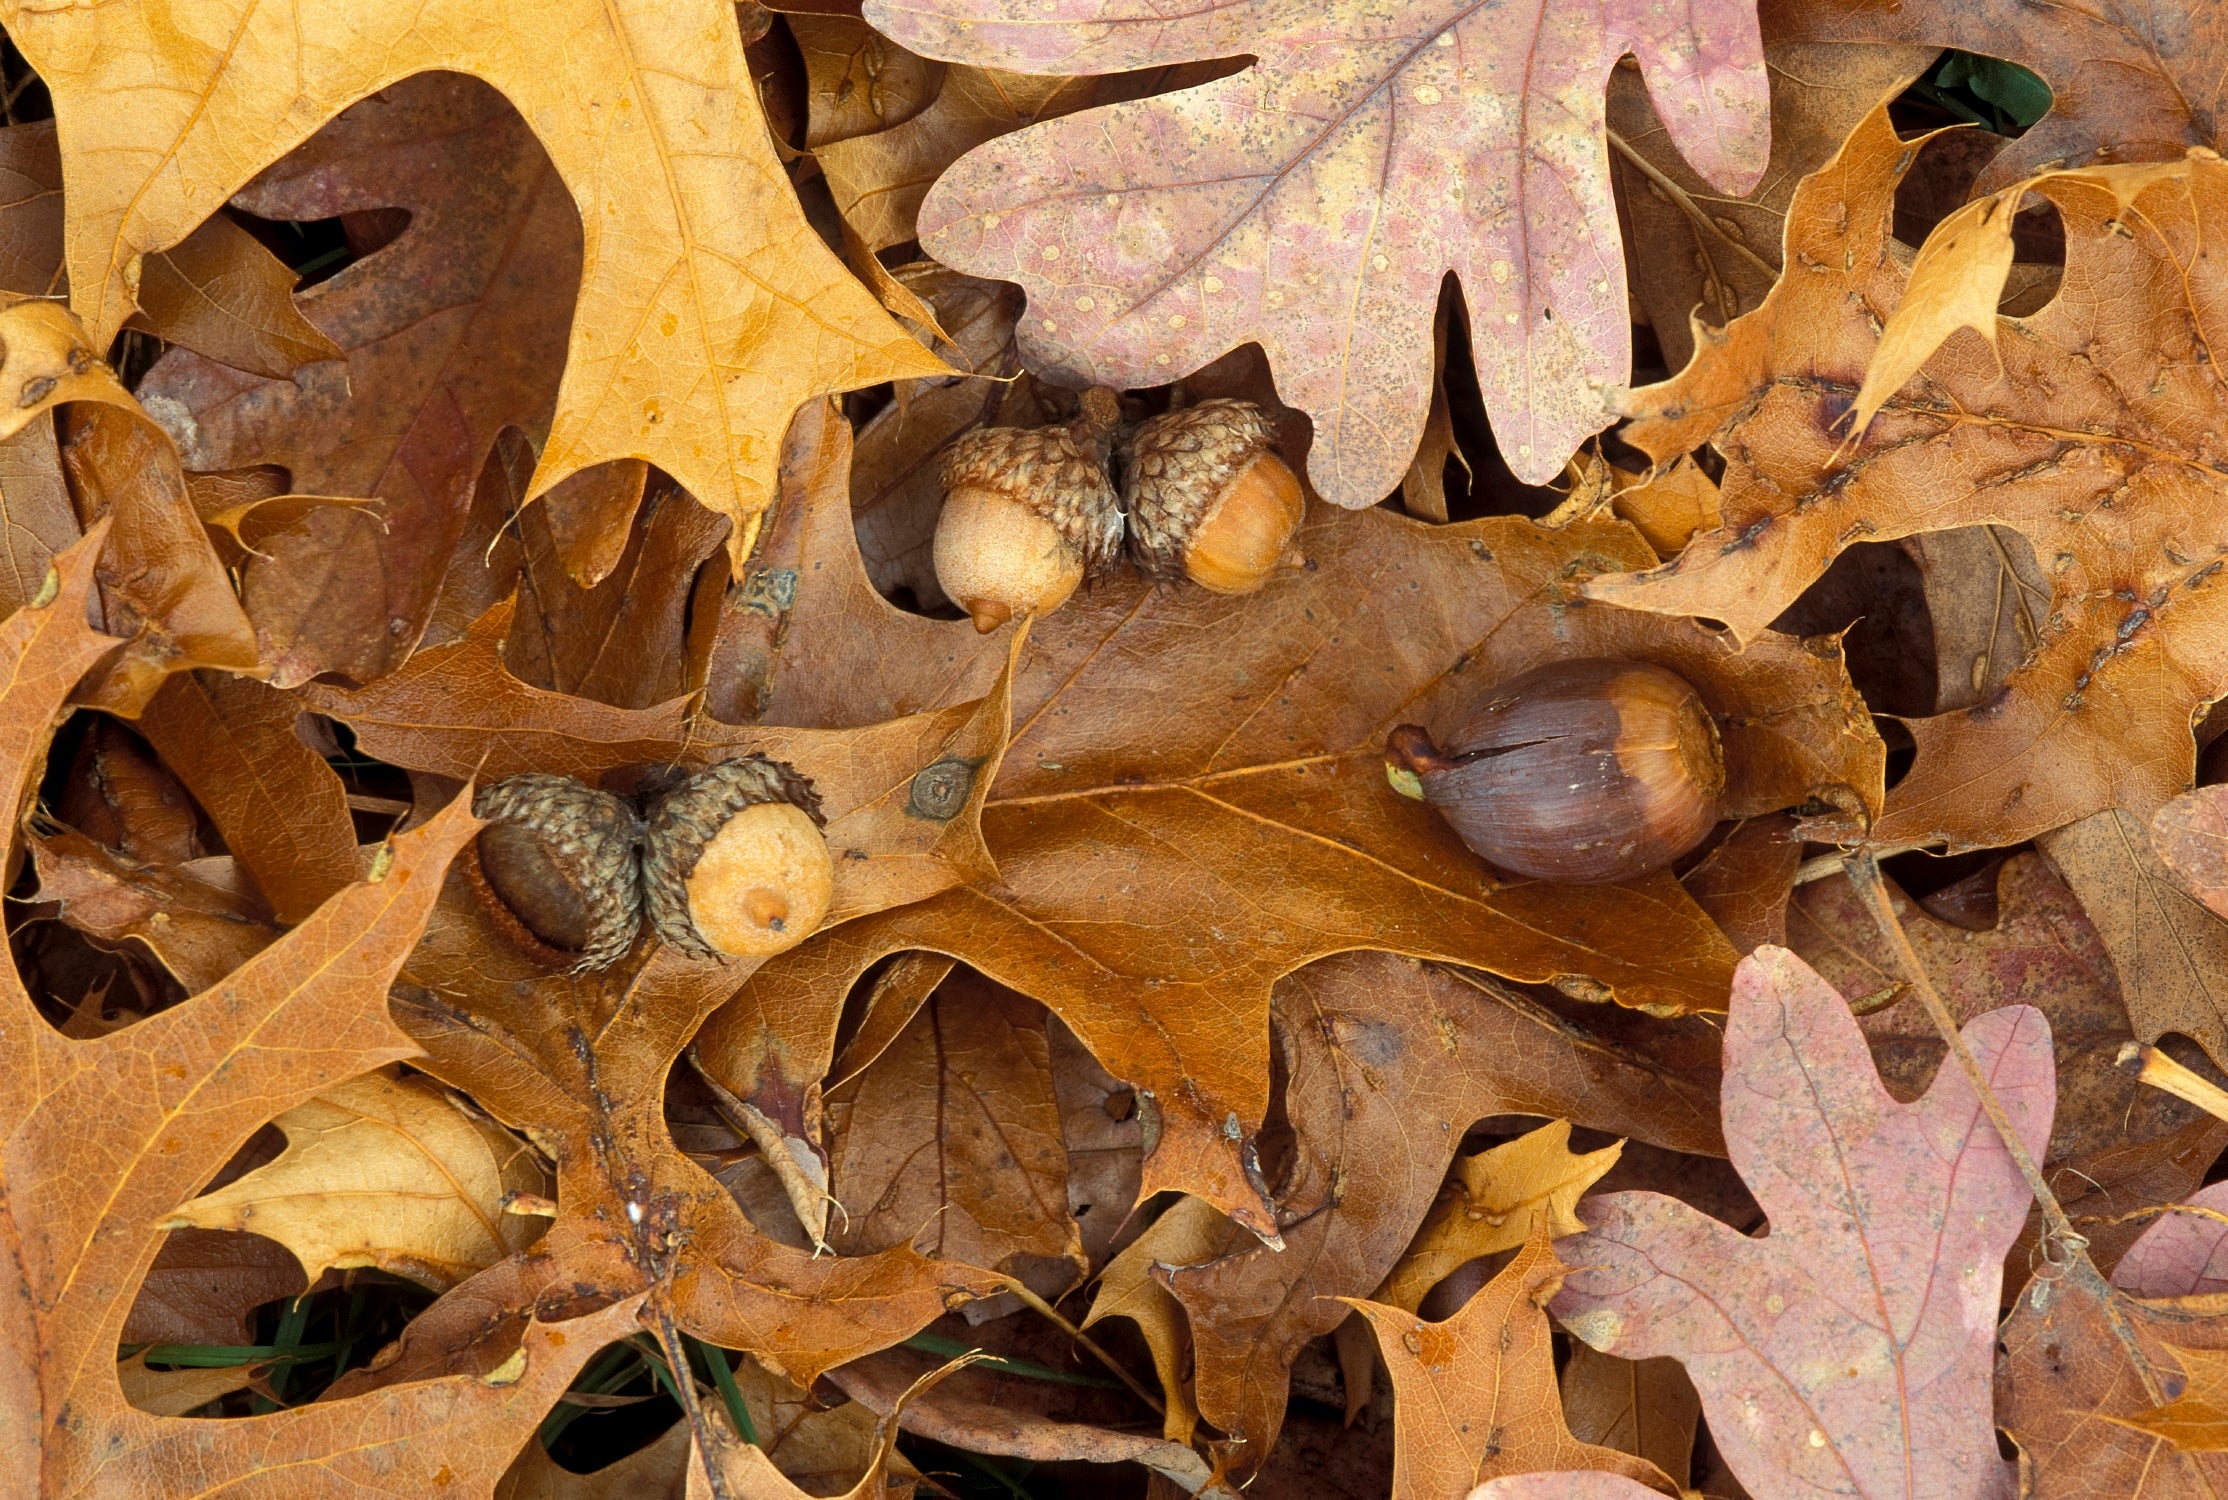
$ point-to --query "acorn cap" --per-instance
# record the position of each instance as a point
(557, 867)
(1176, 466)
(697, 825)
(1056, 472)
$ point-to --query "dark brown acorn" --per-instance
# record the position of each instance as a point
(556, 866)
(1029, 514)
(733, 862)
(1579, 771)
(1208, 498)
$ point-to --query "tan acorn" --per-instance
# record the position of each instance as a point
(557, 868)
(1578, 771)
(1029, 514)
(1208, 499)
(734, 863)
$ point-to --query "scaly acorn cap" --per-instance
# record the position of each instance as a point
(686, 821)
(1177, 465)
(1056, 472)
(557, 867)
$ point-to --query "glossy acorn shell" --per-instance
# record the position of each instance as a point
(1584, 772)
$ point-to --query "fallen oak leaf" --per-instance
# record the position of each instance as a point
(161, 584)
(206, 1284)
(442, 338)
(2073, 1397)
(218, 291)
(399, 1443)
(1387, 1064)
(1006, 1430)
(457, 709)
(388, 1172)
(1191, 1231)
(2113, 1141)
(747, 1469)
(1494, 1198)
(2196, 1420)
(1155, 236)
(582, 1061)
(1131, 821)
(196, 926)
(2190, 834)
(1474, 1397)
(1726, 254)
(2184, 1253)
(231, 740)
(2128, 83)
(1580, 1485)
(708, 308)
(1852, 1347)
(973, 1073)
(2166, 947)
(177, 1094)
(1646, 1407)
(2081, 1354)
(2019, 441)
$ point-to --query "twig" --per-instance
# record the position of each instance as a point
(1682, 200)
(1084, 1342)
(2161, 1072)
(708, 1447)
(1864, 875)
(1826, 866)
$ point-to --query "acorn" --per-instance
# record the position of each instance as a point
(556, 867)
(1579, 771)
(734, 863)
(1029, 514)
(1208, 498)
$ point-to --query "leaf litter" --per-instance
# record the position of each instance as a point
(1156, 1097)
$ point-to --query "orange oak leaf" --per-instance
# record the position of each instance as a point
(582, 1061)
(2033, 434)
(1387, 1063)
(1315, 201)
(1851, 1349)
(1474, 1397)
(444, 338)
(175, 1095)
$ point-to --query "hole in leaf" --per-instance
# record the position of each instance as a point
(1967, 88)
(1874, 596)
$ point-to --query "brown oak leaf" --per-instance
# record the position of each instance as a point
(1172, 746)
(2091, 428)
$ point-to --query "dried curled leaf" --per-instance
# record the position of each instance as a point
(2033, 434)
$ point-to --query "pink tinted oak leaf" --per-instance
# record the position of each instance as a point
(1851, 1350)
(1315, 201)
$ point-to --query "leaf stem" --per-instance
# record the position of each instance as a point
(1682, 200)
(1084, 1342)
(1864, 876)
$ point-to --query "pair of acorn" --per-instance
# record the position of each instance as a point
(728, 861)
(1031, 512)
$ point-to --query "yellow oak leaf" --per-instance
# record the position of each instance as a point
(387, 1172)
(709, 309)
